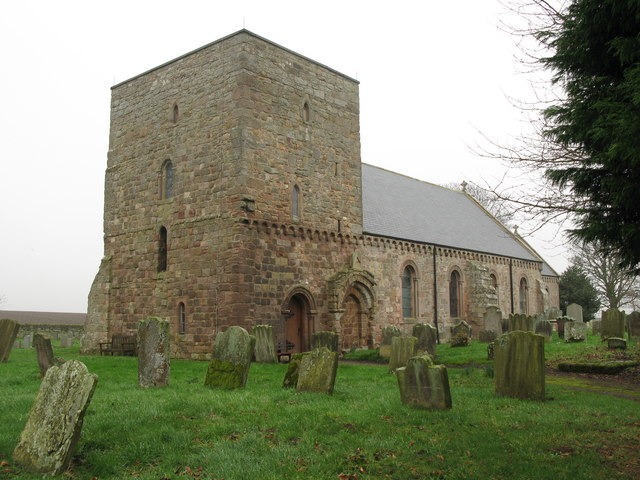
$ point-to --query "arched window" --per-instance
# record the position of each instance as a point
(306, 112)
(295, 203)
(524, 296)
(176, 113)
(455, 291)
(182, 318)
(166, 182)
(409, 303)
(162, 250)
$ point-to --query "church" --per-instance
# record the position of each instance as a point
(235, 195)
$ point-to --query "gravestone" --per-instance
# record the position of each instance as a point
(265, 350)
(560, 322)
(519, 365)
(26, 341)
(426, 335)
(55, 421)
(614, 343)
(487, 336)
(544, 328)
(8, 333)
(387, 337)
(553, 313)
(325, 339)
(633, 326)
(505, 325)
(493, 319)
(317, 372)
(491, 351)
(521, 322)
(402, 349)
(460, 334)
(575, 311)
(293, 369)
(596, 326)
(231, 359)
(423, 384)
(44, 353)
(575, 332)
(65, 341)
(612, 324)
(153, 352)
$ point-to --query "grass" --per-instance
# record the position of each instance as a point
(188, 431)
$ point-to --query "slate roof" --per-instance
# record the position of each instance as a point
(405, 208)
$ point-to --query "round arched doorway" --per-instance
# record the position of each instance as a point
(297, 321)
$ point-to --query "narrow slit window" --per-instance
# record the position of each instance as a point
(408, 293)
(166, 184)
(524, 296)
(176, 113)
(454, 294)
(295, 202)
(162, 250)
(306, 112)
(182, 318)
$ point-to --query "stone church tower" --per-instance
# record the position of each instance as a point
(234, 196)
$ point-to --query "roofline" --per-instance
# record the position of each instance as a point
(455, 248)
(241, 31)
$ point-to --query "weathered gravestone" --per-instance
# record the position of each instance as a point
(423, 384)
(293, 369)
(65, 341)
(633, 326)
(493, 320)
(544, 328)
(153, 352)
(614, 343)
(596, 326)
(487, 336)
(575, 332)
(44, 353)
(387, 338)
(560, 323)
(520, 322)
(519, 365)
(402, 349)
(265, 350)
(460, 334)
(426, 335)
(553, 313)
(8, 332)
(232, 353)
(55, 421)
(612, 324)
(491, 350)
(317, 372)
(575, 311)
(325, 339)
(26, 341)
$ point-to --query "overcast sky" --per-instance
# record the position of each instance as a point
(433, 75)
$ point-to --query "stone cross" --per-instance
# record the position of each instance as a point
(519, 365)
(317, 372)
(265, 350)
(232, 353)
(55, 421)
(153, 352)
(424, 385)
(402, 349)
(8, 333)
(426, 335)
(575, 311)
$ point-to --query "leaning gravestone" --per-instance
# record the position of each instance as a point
(612, 324)
(44, 353)
(460, 334)
(232, 353)
(521, 322)
(55, 421)
(153, 353)
(8, 333)
(544, 328)
(325, 339)
(317, 371)
(402, 349)
(424, 385)
(575, 332)
(575, 311)
(426, 335)
(493, 319)
(265, 350)
(519, 365)
(633, 326)
(293, 370)
(387, 337)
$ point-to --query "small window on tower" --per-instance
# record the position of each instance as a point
(176, 113)
(166, 180)
(162, 250)
(306, 112)
(295, 203)
(182, 318)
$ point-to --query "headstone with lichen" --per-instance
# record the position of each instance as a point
(426, 335)
(402, 349)
(8, 333)
(388, 333)
(317, 371)
(493, 319)
(153, 352)
(293, 370)
(460, 334)
(331, 340)
(575, 311)
(231, 359)
(521, 322)
(53, 428)
(612, 324)
(633, 326)
(560, 323)
(423, 384)
(575, 332)
(519, 365)
(44, 353)
(265, 350)
(544, 328)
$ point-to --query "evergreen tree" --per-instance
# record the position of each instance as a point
(575, 287)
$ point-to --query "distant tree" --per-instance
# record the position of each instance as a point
(489, 200)
(575, 287)
(616, 286)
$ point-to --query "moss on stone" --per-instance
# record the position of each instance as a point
(224, 374)
(519, 365)
(291, 376)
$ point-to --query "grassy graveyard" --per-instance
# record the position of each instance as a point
(189, 431)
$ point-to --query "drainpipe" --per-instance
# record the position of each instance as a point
(435, 296)
(511, 281)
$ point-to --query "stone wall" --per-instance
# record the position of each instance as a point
(53, 331)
